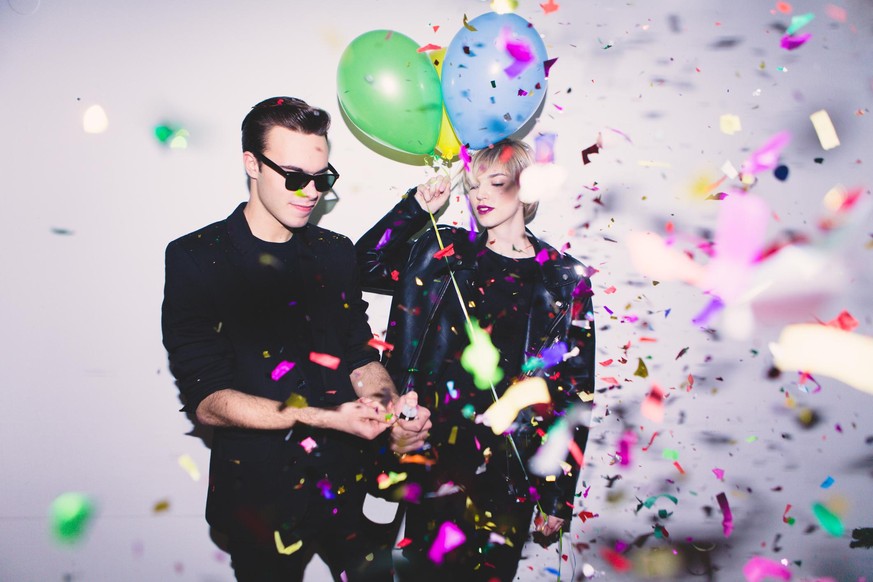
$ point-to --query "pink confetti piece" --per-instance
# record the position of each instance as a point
(759, 569)
(465, 157)
(766, 157)
(380, 345)
(653, 406)
(836, 12)
(727, 521)
(326, 360)
(445, 252)
(449, 537)
(308, 444)
(281, 369)
(542, 256)
(628, 439)
(719, 474)
(429, 47)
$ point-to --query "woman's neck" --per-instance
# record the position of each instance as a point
(510, 240)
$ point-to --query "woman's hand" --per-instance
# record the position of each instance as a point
(433, 194)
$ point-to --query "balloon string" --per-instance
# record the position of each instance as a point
(560, 549)
(469, 323)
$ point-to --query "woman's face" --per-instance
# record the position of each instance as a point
(494, 197)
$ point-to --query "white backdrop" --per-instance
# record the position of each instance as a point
(87, 403)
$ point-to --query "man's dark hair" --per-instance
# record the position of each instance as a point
(289, 112)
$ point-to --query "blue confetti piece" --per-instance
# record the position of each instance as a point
(827, 482)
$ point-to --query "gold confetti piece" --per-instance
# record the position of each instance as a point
(824, 129)
(825, 350)
(282, 549)
(296, 401)
(730, 124)
(161, 506)
(187, 463)
(520, 395)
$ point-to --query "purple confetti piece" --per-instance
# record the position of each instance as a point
(727, 521)
(283, 368)
(714, 306)
(384, 240)
(791, 42)
(767, 157)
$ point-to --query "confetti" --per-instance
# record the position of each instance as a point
(547, 65)
(281, 369)
(308, 444)
(828, 520)
(71, 514)
(653, 406)
(727, 521)
(642, 371)
(282, 549)
(791, 43)
(449, 537)
(468, 26)
(480, 358)
(767, 156)
(759, 569)
(544, 148)
(521, 52)
(429, 47)
(501, 414)
(326, 360)
(386, 236)
(161, 506)
(824, 129)
(719, 474)
(95, 120)
(445, 252)
(828, 351)
(589, 151)
(798, 21)
(730, 124)
(549, 7)
(380, 345)
(190, 467)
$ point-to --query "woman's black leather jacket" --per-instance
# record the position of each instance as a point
(427, 325)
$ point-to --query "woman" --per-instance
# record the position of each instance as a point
(530, 297)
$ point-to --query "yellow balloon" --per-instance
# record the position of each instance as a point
(447, 145)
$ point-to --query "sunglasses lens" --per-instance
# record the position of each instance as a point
(296, 180)
(324, 182)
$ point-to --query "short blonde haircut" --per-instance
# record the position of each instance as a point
(513, 156)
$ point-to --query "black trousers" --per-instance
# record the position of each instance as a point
(482, 556)
(337, 532)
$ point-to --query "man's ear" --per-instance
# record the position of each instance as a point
(250, 162)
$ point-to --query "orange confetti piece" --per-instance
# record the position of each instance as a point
(446, 252)
(380, 345)
(549, 6)
(326, 360)
(783, 7)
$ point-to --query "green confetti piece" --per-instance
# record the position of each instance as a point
(70, 516)
(468, 411)
(671, 454)
(751, 439)
(664, 514)
(829, 522)
(651, 500)
(532, 364)
(163, 133)
(642, 371)
(799, 21)
(480, 358)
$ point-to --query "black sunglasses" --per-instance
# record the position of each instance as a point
(299, 180)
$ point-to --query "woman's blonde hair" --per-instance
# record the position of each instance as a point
(514, 156)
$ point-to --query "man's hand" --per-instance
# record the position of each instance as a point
(409, 434)
(364, 418)
(433, 194)
(546, 528)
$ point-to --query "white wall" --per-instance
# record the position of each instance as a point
(87, 403)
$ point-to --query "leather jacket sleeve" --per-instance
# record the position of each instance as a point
(380, 263)
(567, 382)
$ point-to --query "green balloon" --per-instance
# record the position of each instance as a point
(390, 91)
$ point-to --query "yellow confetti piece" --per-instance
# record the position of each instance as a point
(453, 436)
(296, 401)
(824, 129)
(825, 350)
(730, 124)
(282, 549)
(504, 6)
(187, 463)
(520, 395)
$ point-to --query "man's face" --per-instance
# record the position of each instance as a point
(275, 208)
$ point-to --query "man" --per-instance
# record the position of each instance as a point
(267, 337)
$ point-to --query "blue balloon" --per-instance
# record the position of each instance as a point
(493, 79)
